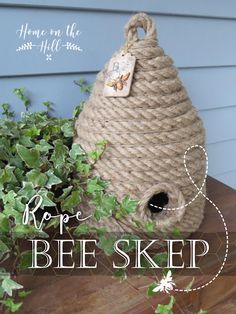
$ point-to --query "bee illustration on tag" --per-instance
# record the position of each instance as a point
(119, 76)
(120, 82)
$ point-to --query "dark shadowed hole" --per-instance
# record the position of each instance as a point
(160, 199)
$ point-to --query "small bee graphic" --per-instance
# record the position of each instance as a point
(119, 82)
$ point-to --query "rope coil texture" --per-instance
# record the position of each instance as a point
(148, 133)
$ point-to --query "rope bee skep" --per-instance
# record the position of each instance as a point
(147, 132)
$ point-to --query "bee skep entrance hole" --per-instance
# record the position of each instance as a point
(160, 200)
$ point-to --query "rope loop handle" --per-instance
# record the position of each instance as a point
(144, 21)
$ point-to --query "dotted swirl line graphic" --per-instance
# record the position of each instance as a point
(198, 189)
(212, 203)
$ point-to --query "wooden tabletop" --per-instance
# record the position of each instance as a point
(107, 295)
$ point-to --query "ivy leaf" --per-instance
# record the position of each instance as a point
(176, 232)
(9, 285)
(30, 156)
(105, 204)
(54, 222)
(3, 249)
(101, 144)
(99, 231)
(97, 153)
(11, 305)
(26, 141)
(22, 231)
(77, 110)
(84, 87)
(160, 258)
(4, 223)
(150, 226)
(12, 202)
(52, 179)
(47, 198)
(59, 154)
(27, 190)
(65, 193)
(137, 223)
(19, 173)
(4, 153)
(32, 132)
(7, 175)
(75, 151)
(166, 308)
(106, 243)
(121, 274)
(25, 260)
(23, 293)
(7, 112)
(68, 129)
(37, 178)
(150, 288)
(5, 149)
(131, 246)
(48, 105)
(144, 264)
(95, 185)
(82, 229)
(17, 162)
(1, 293)
(82, 167)
(128, 206)
(9, 197)
(20, 93)
(10, 212)
(19, 204)
(43, 146)
(72, 200)
(3, 273)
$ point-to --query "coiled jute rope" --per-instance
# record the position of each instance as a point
(148, 133)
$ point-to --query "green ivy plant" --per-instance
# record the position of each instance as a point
(37, 156)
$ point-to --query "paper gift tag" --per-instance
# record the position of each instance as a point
(119, 75)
